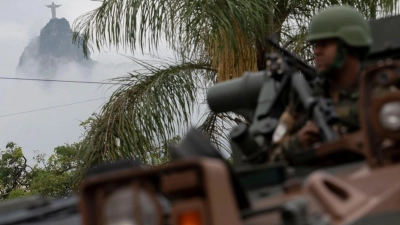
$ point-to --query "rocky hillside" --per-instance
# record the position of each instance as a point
(44, 54)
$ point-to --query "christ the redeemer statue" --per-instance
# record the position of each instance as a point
(53, 9)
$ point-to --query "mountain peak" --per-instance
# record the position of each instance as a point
(53, 47)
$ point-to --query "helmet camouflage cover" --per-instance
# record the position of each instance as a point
(343, 22)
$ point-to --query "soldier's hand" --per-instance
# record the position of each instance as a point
(308, 134)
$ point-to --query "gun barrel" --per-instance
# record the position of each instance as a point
(239, 93)
(308, 71)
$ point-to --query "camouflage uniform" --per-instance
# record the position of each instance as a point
(350, 28)
(346, 109)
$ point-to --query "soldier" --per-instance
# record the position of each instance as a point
(341, 39)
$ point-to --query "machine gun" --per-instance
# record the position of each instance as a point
(255, 97)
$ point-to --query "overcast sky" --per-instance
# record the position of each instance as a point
(20, 21)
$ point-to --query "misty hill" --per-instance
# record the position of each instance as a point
(52, 49)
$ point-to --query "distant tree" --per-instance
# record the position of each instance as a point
(53, 177)
(56, 177)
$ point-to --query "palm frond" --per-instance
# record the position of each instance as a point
(217, 127)
(189, 27)
(152, 105)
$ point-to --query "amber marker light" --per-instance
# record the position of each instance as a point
(190, 218)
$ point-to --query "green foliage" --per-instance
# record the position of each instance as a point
(160, 156)
(56, 178)
(14, 171)
(54, 184)
(53, 177)
(19, 193)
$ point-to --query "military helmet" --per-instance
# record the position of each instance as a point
(343, 22)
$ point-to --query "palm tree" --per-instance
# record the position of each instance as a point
(213, 41)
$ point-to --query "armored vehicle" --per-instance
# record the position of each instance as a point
(357, 185)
